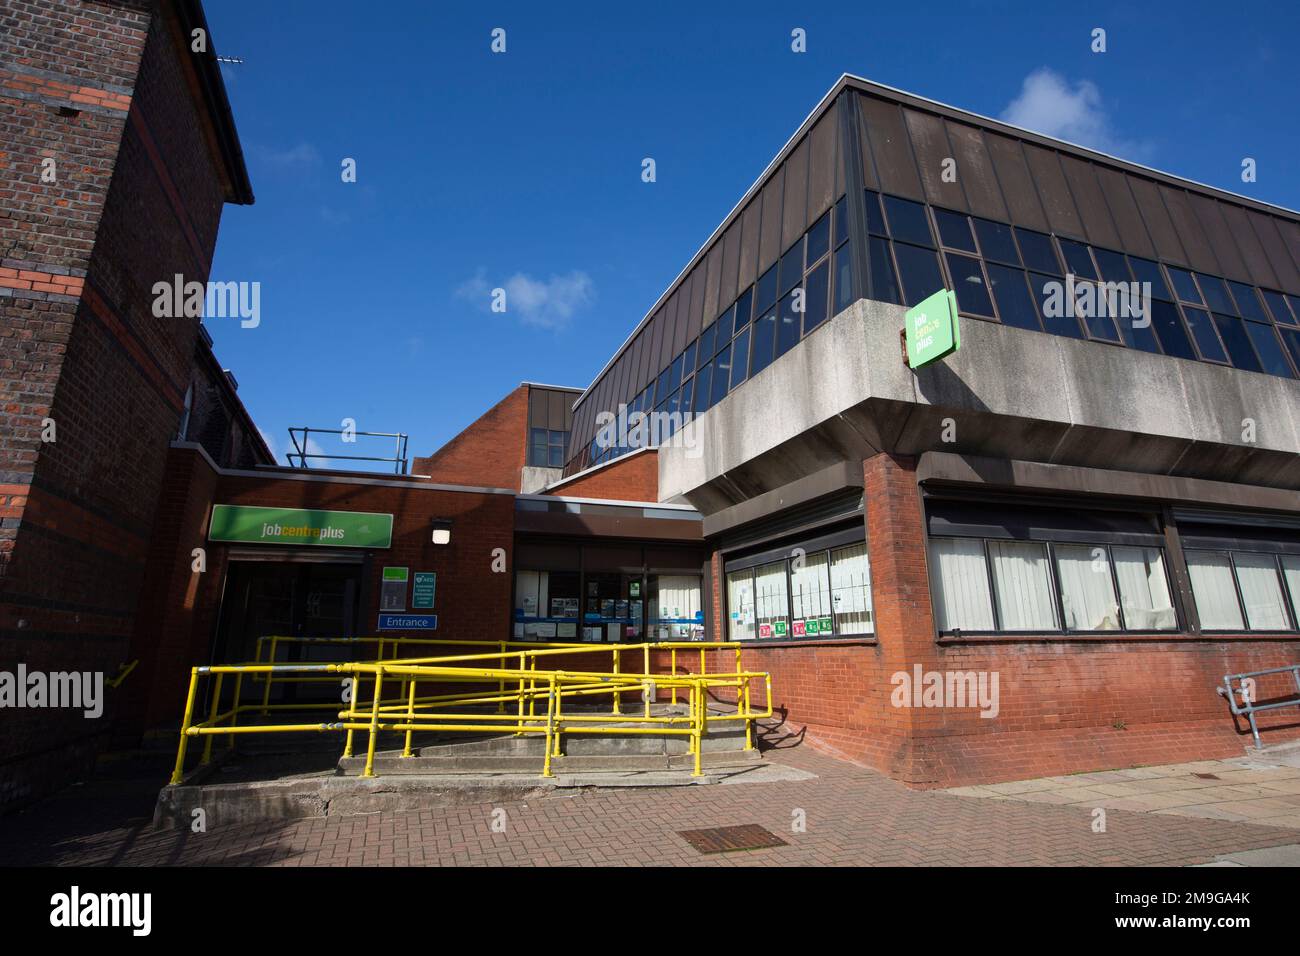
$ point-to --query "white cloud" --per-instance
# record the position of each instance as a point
(548, 304)
(301, 156)
(1048, 104)
(271, 444)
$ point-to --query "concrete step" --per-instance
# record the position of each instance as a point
(392, 762)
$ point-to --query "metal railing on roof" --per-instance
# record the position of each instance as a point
(301, 453)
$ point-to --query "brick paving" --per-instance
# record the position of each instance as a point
(854, 816)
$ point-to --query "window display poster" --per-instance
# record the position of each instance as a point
(799, 629)
(765, 630)
(591, 634)
(607, 607)
(620, 609)
(557, 607)
(779, 628)
(566, 629)
(571, 607)
(544, 629)
(613, 632)
(634, 589)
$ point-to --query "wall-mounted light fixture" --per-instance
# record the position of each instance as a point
(442, 531)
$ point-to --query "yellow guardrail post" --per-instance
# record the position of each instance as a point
(352, 706)
(410, 717)
(177, 773)
(501, 684)
(697, 725)
(749, 720)
(374, 725)
(674, 673)
(212, 718)
(266, 693)
(522, 663)
(532, 689)
(559, 706)
(550, 728)
(618, 695)
(234, 709)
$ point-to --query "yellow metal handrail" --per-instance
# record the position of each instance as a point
(524, 685)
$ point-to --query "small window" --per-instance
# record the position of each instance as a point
(884, 285)
(908, 221)
(1036, 249)
(875, 218)
(721, 375)
(788, 326)
(954, 230)
(1269, 350)
(725, 326)
(771, 600)
(815, 295)
(1168, 326)
(1261, 591)
(1185, 285)
(1278, 308)
(851, 591)
(968, 282)
(1049, 293)
(919, 270)
(1233, 332)
(810, 591)
(688, 357)
(819, 239)
(1216, 295)
(764, 341)
(740, 358)
(792, 267)
(1207, 341)
(744, 307)
(686, 396)
(1248, 304)
(1144, 270)
(844, 276)
(741, 625)
(1022, 580)
(765, 291)
(1292, 340)
(996, 242)
(1077, 258)
(1113, 266)
(1291, 574)
(1144, 589)
(1087, 588)
(703, 388)
(706, 344)
(1015, 307)
(1294, 302)
(841, 221)
(1212, 587)
(960, 585)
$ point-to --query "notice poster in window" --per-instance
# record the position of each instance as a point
(765, 630)
(613, 632)
(607, 607)
(591, 634)
(634, 589)
(799, 628)
(571, 607)
(519, 632)
(812, 626)
(779, 628)
(620, 609)
(824, 625)
(545, 629)
(566, 629)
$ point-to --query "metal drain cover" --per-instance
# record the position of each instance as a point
(746, 836)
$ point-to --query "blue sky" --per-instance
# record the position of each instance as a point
(522, 169)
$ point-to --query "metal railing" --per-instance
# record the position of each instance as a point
(527, 699)
(302, 453)
(1249, 695)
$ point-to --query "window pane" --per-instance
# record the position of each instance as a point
(1038, 252)
(810, 593)
(1097, 316)
(819, 238)
(1144, 589)
(875, 218)
(1138, 330)
(1023, 584)
(703, 383)
(792, 267)
(1144, 270)
(765, 291)
(1261, 592)
(844, 277)
(1113, 266)
(1014, 304)
(740, 606)
(1216, 597)
(1169, 328)
(788, 326)
(687, 394)
(1264, 338)
(725, 326)
(1087, 591)
(744, 307)
(740, 358)
(954, 230)
(674, 608)
(1184, 286)
(919, 269)
(814, 301)
(1203, 331)
(968, 282)
(1277, 305)
(908, 221)
(842, 221)
(960, 584)
(1049, 292)
(996, 242)
(721, 375)
(884, 285)
(1291, 571)
(851, 591)
(770, 600)
(1237, 342)
(1077, 259)
(688, 358)
(706, 344)
(1216, 295)
(557, 456)
(764, 340)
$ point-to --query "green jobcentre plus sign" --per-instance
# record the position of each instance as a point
(295, 526)
(932, 329)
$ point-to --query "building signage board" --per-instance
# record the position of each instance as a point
(298, 526)
(422, 593)
(932, 329)
(408, 622)
(392, 589)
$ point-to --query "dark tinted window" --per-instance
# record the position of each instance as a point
(1112, 265)
(1077, 259)
(1277, 306)
(706, 343)
(675, 373)
(1247, 301)
(996, 242)
(1237, 342)
(721, 374)
(703, 386)
(1216, 295)
(841, 221)
(688, 357)
(1012, 295)
(1096, 311)
(819, 238)
(844, 277)
(968, 283)
(1294, 302)
(764, 339)
(1203, 332)
(919, 270)
(744, 307)
(1292, 340)
(740, 358)
(816, 290)
(1269, 350)
(1144, 270)
(788, 325)
(1049, 292)
(1184, 285)
(1169, 328)
(884, 284)
(726, 326)
(765, 291)
(1037, 251)
(954, 230)
(685, 396)
(792, 267)
(908, 221)
(1138, 331)
(875, 218)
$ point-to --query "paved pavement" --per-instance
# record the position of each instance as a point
(845, 815)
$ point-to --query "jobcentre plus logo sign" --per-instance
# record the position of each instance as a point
(932, 329)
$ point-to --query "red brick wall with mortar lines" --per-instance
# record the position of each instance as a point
(634, 477)
(1064, 706)
(489, 453)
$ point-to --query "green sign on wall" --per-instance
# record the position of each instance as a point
(426, 583)
(298, 526)
(932, 329)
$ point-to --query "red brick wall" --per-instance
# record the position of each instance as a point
(1065, 706)
(490, 453)
(633, 477)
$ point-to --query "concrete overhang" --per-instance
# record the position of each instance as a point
(844, 394)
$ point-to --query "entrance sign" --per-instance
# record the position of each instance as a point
(408, 622)
(298, 526)
(932, 329)
(392, 589)
(425, 585)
